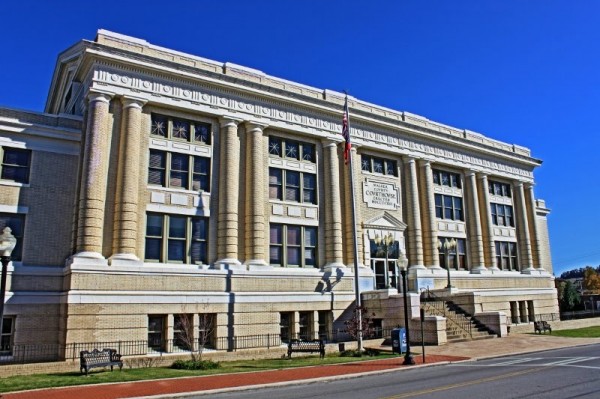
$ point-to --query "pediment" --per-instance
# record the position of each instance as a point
(385, 221)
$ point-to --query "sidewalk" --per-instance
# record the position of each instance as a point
(514, 344)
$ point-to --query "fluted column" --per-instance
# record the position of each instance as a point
(427, 204)
(415, 237)
(92, 198)
(474, 225)
(333, 207)
(523, 235)
(127, 195)
(536, 243)
(489, 247)
(229, 176)
(255, 197)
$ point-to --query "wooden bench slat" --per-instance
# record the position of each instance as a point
(97, 358)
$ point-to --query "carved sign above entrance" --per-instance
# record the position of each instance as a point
(380, 195)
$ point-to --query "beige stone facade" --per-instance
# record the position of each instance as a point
(163, 184)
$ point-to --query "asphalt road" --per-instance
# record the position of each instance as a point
(556, 374)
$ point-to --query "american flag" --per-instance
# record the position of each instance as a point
(346, 130)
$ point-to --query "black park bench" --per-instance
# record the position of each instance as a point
(306, 346)
(542, 327)
(105, 357)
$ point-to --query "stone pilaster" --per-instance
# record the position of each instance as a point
(523, 234)
(489, 247)
(427, 203)
(536, 244)
(333, 207)
(475, 230)
(229, 176)
(415, 234)
(255, 197)
(92, 196)
(128, 181)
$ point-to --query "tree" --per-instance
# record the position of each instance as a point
(591, 281)
(184, 333)
(568, 297)
(352, 325)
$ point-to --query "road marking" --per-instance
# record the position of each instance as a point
(518, 360)
(463, 384)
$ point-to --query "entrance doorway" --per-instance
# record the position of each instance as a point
(384, 262)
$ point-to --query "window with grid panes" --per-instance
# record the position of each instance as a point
(285, 326)
(289, 185)
(378, 165)
(448, 207)
(176, 170)
(181, 129)
(292, 246)
(7, 335)
(502, 215)
(176, 239)
(506, 255)
(15, 164)
(448, 179)
(291, 149)
(156, 332)
(457, 257)
(500, 189)
(183, 325)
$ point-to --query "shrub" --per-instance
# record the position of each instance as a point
(356, 353)
(195, 365)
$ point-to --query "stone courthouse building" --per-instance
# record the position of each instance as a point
(160, 192)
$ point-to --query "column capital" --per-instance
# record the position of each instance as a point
(518, 184)
(255, 126)
(329, 143)
(229, 121)
(482, 175)
(100, 95)
(408, 159)
(424, 162)
(133, 102)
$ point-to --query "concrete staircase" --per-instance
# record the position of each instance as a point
(460, 326)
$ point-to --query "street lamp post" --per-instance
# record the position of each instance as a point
(7, 244)
(386, 242)
(408, 359)
(447, 247)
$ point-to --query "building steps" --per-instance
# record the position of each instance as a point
(460, 326)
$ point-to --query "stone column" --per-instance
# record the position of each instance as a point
(474, 225)
(523, 235)
(536, 243)
(255, 197)
(92, 197)
(489, 246)
(415, 237)
(128, 181)
(349, 228)
(427, 204)
(229, 183)
(334, 255)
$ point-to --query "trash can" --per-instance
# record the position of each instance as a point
(399, 340)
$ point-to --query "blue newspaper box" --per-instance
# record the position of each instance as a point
(399, 340)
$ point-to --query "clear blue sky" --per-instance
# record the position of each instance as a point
(523, 72)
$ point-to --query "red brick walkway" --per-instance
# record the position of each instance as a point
(206, 383)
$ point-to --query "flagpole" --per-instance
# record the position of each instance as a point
(359, 335)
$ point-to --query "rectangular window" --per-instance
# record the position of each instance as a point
(156, 332)
(285, 326)
(188, 172)
(448, 179)
(299, 186)
(305, 325)
(502, 215)
(291, 149)
(16, 222)
(15, 164)
(456, 257)
(176, 238)
(207, 325)
(506, 255)
(292, 246)
(324, 316)
(7, 336)
(183, 335)
(500, 189)
(448, 207)
(378, 165)
(181, 129)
